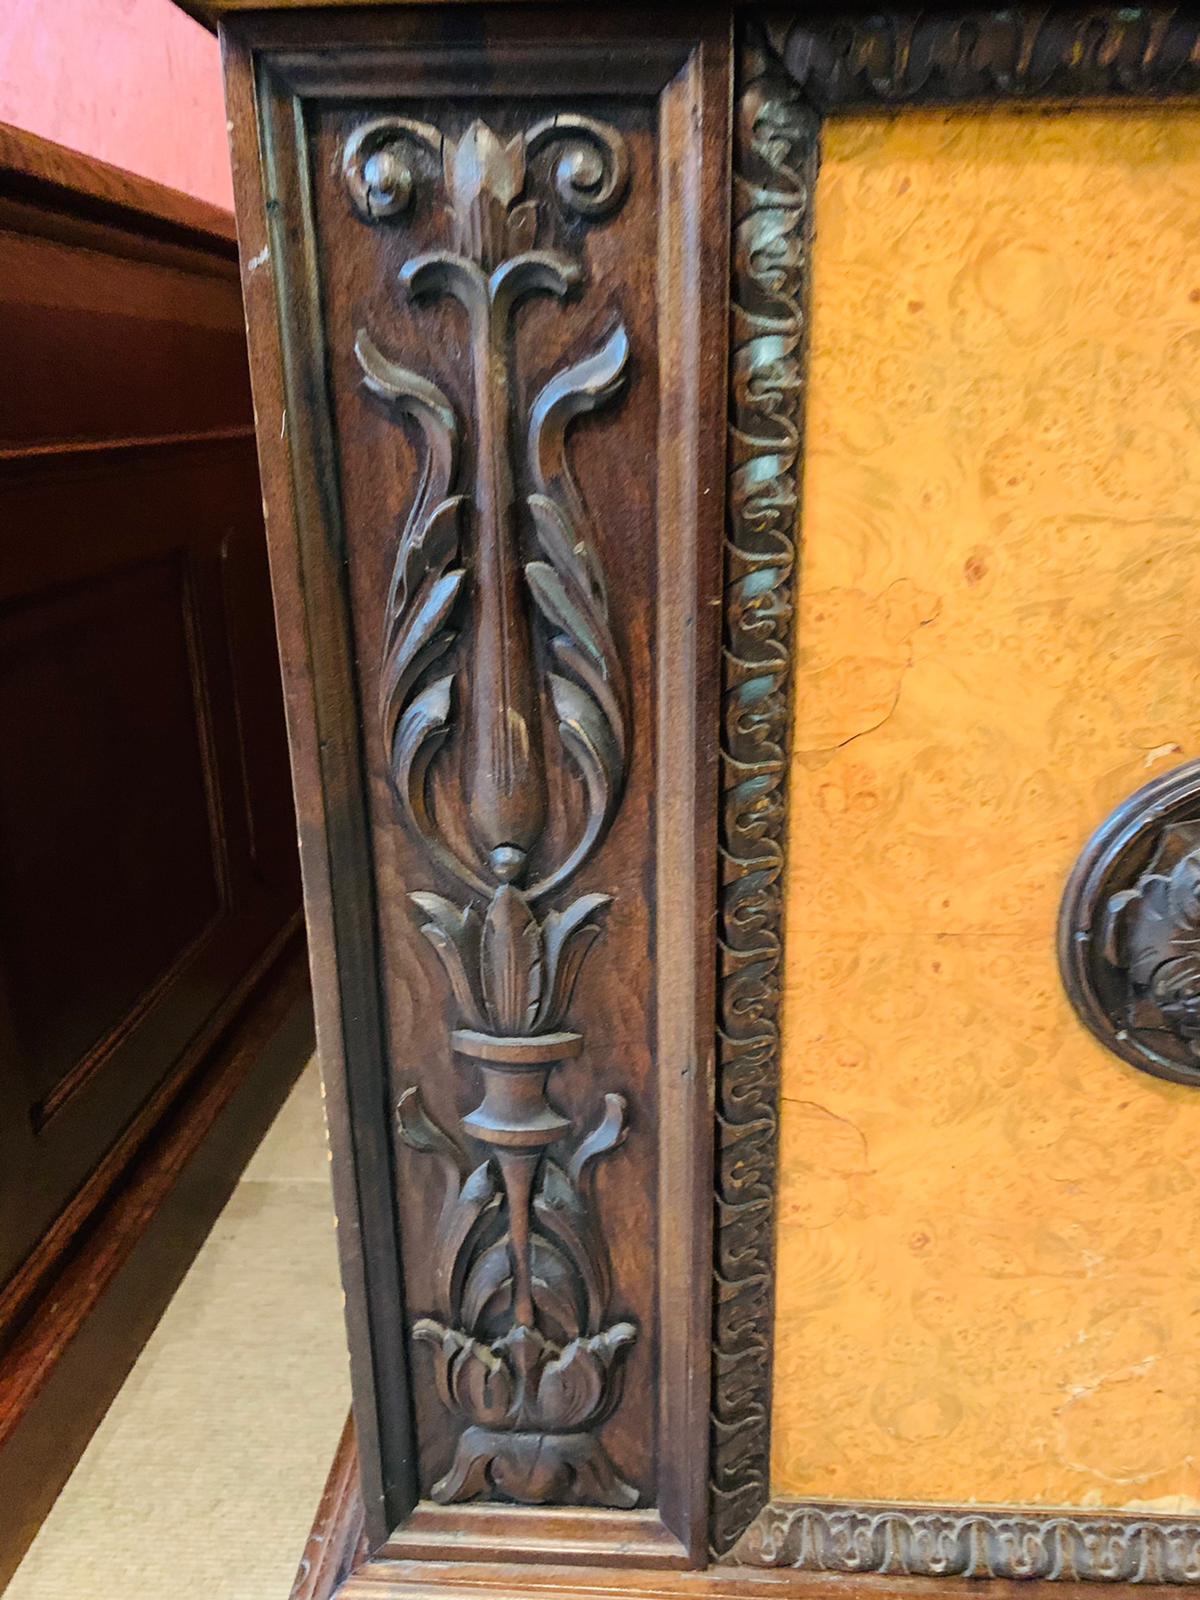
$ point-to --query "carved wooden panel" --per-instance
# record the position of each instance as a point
(499, 270)
(495, 246)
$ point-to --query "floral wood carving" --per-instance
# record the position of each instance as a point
(498, 544)
(774, 173)
(1129, 931)
(1152, 934)
(973, 54)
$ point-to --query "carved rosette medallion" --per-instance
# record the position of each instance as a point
(1129, 930)
(1132, 909)
(497, 549)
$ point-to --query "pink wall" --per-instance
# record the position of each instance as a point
(134, 82)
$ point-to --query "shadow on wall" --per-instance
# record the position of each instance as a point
(132, 82)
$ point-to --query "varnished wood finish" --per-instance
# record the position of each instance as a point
(41, 172)
(147, 864)
(797, 69)
(462, 1581)
(649, 471)
(525, 1349)
(964, 55)
(982, 1537)
(348, 122)
(775, 144)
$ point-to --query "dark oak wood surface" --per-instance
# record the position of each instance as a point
(146, 857)
(148, 871)
(650, 270)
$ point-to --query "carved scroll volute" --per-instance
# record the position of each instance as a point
(526, 1352)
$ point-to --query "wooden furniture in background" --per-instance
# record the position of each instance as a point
(528, 318)
(153, 1008)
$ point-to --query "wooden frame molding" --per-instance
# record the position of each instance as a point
(794, 71)
(775, 158)
(977, 55)
(522, 1344)
(961, 1542)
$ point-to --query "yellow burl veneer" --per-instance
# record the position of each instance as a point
(989, 1280)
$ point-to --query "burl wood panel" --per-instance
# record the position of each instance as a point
(988, 1225)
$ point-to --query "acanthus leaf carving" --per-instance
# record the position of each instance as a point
(523, 1347)
(775, 151)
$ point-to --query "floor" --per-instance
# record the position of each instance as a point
(203, 1477)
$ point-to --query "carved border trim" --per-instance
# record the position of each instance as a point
(775, 160)
(932, 1542)
(971, 54)
(790, 74)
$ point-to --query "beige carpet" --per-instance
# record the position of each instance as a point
(203, 1478)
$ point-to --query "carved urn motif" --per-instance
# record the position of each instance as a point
(497, 545)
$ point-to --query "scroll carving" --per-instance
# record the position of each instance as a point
(1129, 932)
(497, 548)
(973, 54)
(944, 1542)
(774, 174)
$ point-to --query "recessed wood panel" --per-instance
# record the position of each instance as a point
(148, 874)
(88, 806)
(988, 1224)
(498, 292)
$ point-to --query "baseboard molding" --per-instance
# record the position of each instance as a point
(337, 1542)
(75, 1348)
(336, 1566)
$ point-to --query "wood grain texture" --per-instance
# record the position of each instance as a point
(522, 1339)
(795, 1552)
(40, 169)
(975, 56)
(648, 470)
(463, 1581)
(137, 685)
(984, 1216)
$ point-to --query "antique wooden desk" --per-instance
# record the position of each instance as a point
(681, 1256)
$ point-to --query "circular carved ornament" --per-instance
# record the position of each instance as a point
(1129, 929)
